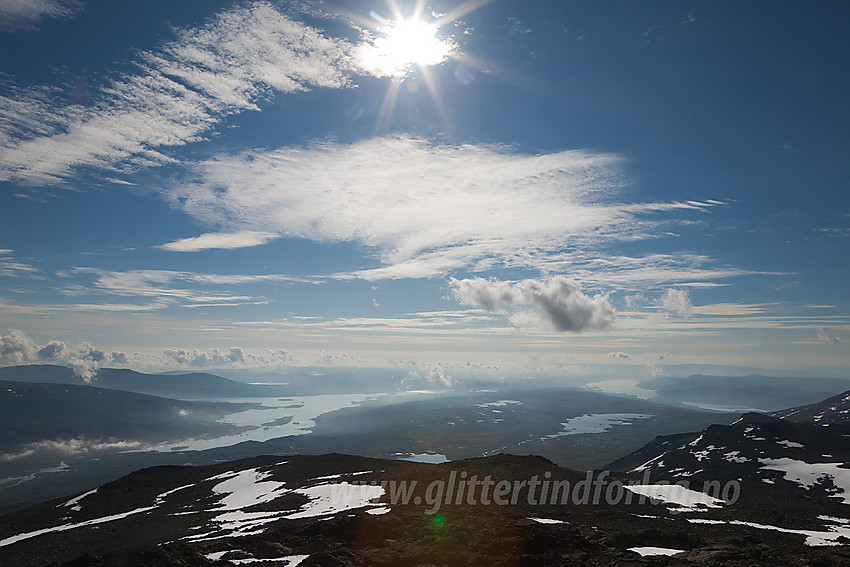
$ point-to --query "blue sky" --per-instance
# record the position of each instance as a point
(557, 188)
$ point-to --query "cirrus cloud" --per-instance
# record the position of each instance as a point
(442, 207)
(179, 92)
(26, 14)
(219, 240)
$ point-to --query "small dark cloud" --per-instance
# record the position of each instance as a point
(556, 302)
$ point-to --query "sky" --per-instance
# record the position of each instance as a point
(529, 188)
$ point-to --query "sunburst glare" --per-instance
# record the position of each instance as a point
(401, 45)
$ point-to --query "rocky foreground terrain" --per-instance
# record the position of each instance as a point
(343, 510)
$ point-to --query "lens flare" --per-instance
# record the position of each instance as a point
(401, 45)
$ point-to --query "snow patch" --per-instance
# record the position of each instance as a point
(547, 521)
(66, 527)
(813, 537)
(686, 499)
(808, 474)
(648, 463)
(247, 488)
(733, 457)
(703, 454)
(291, 560)
(74, 501)
(160, 499)
(651, 551)
(328, 499)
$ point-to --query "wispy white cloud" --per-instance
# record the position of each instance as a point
(732, 309)
(167, 287)
(178, 93)
(10, 267)
(557, 303)
(620, 355)
(113, 307)
(26, 14)
(439, 321)
(220, 240)
(641, 273)
(442, 208)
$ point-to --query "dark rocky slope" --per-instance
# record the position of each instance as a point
(332, 510)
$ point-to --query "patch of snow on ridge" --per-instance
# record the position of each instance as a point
(696, 441)
(834, 519)
(247, 488)
(703, 454)
(65, 527)
(791, 444)
(74, 501)
(292, 560)
(813, 537)
(648, 463)
(733, 457)
(160, 499)
(688, 500)
(546, 520)
(808, 474)
(243, 523)
(340, 475)
(236, 523)
(652, 551)
(332, 498)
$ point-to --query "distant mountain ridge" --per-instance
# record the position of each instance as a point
(755, 391)
(834, 410)
(47, 413)
(192, 385)
(804, 449)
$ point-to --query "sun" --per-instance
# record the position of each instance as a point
(402, 45)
